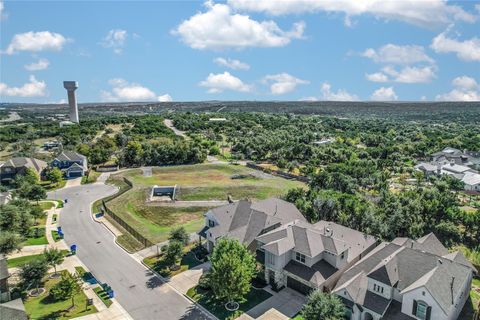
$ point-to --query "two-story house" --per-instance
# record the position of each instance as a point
(73, 164)
(306, 256)
(244, 220)
(18, 166)
(407, 280)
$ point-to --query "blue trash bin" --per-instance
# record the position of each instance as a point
(73, 248)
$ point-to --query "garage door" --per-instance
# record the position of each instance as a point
(75, 174)
(298, 286)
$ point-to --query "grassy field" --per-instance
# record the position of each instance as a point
(195, 182)
(44, 307)
(17, 262)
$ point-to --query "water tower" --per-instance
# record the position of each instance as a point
(71, 86)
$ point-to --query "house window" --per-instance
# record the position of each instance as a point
(270, 258)
(421, 310)
(300, 257)
(342, 256)
(377, 288)
(211, 223)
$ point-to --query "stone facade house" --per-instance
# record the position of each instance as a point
(407, 280)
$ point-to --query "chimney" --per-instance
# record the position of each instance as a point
(71, 86)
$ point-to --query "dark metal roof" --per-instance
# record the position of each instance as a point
(376, 303)
(203, 232)
(317, 274)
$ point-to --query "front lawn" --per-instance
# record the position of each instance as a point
(49, 186)
(188, 261)
(44, 307)
(46, 205)
(207, 300)
(37, 237)
(17, 262)
(91, 178)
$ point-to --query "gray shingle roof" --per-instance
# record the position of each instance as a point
(19, 162)
(244, 220)
(414, 268)
(375, 302)
(317, 274)
(13, 310)
(70, 156)
(312, 240)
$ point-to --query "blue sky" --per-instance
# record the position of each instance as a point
(240, 50)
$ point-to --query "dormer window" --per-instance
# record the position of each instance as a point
(300, 257)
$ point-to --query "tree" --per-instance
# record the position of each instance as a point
(173, 252)
(232, 270)
(55, 175)
(33, 272)
(323, 306)
(180, 234)
(36, 212)
(67, 288)
(53, 257)
(9, 242)
(33, 192)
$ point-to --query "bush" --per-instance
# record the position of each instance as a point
(204, 282)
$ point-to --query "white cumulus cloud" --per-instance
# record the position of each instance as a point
(340, 95)
(384, 94)
(283, 83)
(395, 54)
(464, 89)
(41, 64)
(404, 75)
(123, 90)
(467, 50)
(231, 63)
(33, 88)
(219, 28)
(423, 13)
(36, 41)
(220, 82)
(115, 39)
(165, 98)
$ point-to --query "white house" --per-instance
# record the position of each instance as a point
(407, 280)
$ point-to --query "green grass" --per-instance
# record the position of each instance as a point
(92, 177)
(55, 236)
(32, 241)
(207, 300)
(17, 262)
(53, 186)
(157, 263)
(44, 307)
(129, 243)
(46, 205)
(103, 296)
(195, 182)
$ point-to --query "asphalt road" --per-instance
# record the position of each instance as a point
(139, 291)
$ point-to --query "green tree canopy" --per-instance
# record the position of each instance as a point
(180, 234)
(53, 257)
(233, 268)
(33, 272)
(323, 306)
(67, 287)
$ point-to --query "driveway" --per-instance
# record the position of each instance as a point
(73, 182)
(287, 301)
(143, 295)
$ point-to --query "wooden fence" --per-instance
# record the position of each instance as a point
(119, 220)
